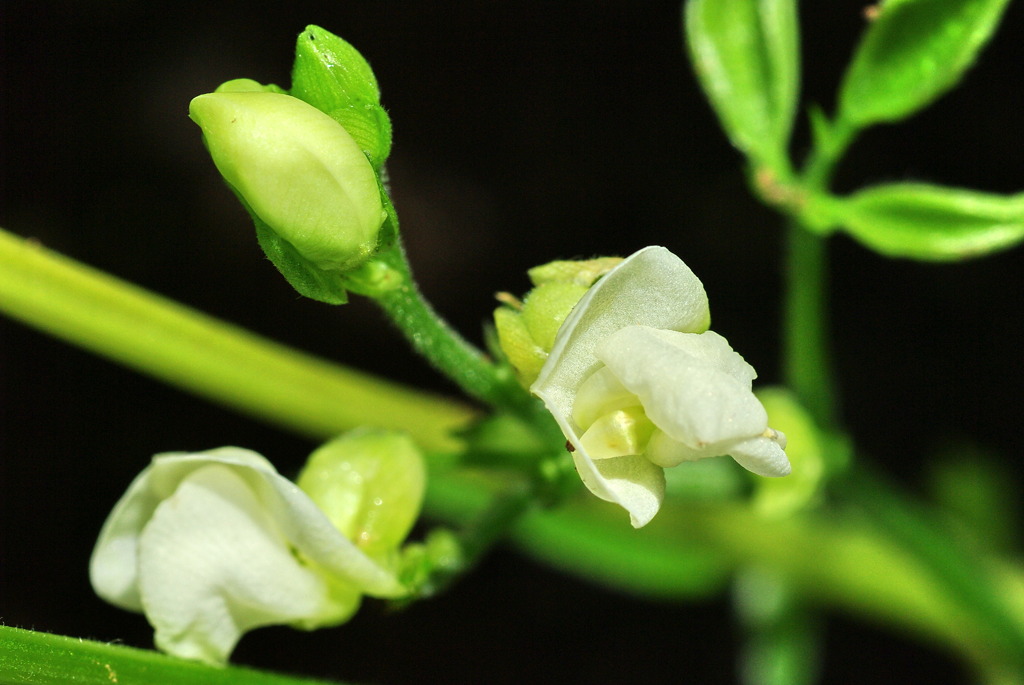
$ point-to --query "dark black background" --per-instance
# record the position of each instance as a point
(524, 132)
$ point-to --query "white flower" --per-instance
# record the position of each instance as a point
(638, 383)
(212, 544)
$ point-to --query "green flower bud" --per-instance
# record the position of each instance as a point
(526, 331)
(781, 497)
(298, 171)
(370, 485)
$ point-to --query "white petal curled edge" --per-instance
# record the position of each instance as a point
(272, 514)
(763, 456)
(652, 287)
(688, 383)
(213, 564)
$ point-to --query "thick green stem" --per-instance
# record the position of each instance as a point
(691, 550)
(209, 357)
(807, 363)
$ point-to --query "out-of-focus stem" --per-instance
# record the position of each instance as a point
(211, 358)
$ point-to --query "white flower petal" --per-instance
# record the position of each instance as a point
(217, 542)
(634, 483)
(652, 287)
(214, 563)
(617, 434)
(666, 452)
(685, 395)
(599, 394)
(113, 568)
(762, 455)
(710, 349)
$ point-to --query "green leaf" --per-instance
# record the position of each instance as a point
(335, 78)
(40, 658)
(746, 55)
(932, 223)
(913, 52)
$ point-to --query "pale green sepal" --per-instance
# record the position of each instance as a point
(912, 52)
(931, 223)
(308, 280)
(581, 272)
(518, 346)
(212, 544)
(335, 78)
(546, 307)
(370, 485)
(746, 55)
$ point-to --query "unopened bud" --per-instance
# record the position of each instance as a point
(298, 170)
(370, 484)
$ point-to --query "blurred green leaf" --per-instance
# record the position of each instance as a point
(913, 52)
(931, 223)
(978, 494)
(746, 55)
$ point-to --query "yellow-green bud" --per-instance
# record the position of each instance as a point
(370, 485)
(806, 451)
(526, 332)
(298, 170)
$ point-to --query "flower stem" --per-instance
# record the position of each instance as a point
(445, 349)
(807, 363)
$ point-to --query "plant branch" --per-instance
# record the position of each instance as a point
(432, 337)
(208, 357)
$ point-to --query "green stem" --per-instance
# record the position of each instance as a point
(691, 550)
(42, 659)
(206, 356)
(445, 349)
(807, 364)
(687, 550)
(490, 523)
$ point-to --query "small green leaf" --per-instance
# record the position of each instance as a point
(746, 55)
(335, 78)
(932, 223)
(913, 52)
